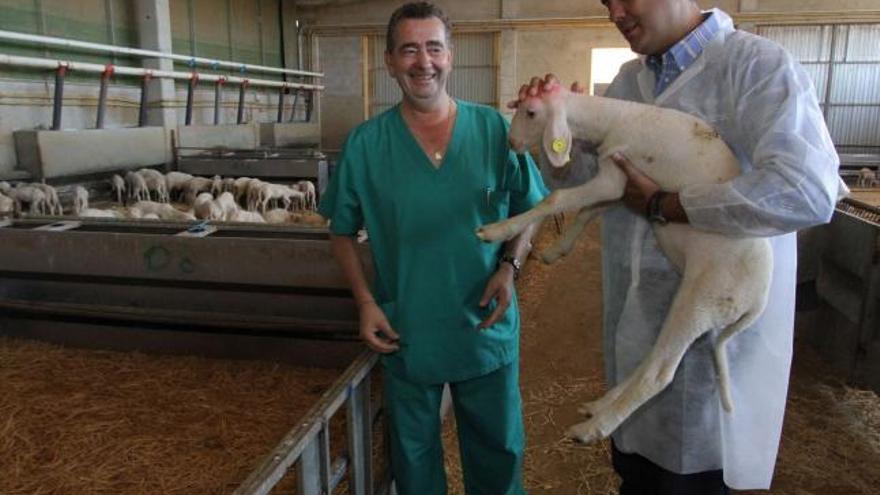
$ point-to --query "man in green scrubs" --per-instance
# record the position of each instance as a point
(422, 177)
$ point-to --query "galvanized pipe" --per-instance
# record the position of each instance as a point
(102, 96)
(60, 72)
(45, 63)
(218, 86)
(190, 96)
(142, 110)
(241, 93)
(99, 47)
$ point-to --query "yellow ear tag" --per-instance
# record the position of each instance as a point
(558, 145)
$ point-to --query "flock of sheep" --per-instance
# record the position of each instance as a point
(148, 194)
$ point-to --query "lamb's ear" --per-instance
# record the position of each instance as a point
(557, 138)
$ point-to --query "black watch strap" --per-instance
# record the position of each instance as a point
(513, 262)
(654, 208)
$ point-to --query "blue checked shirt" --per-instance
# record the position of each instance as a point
(670, 65)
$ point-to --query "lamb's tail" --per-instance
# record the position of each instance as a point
(721, 356)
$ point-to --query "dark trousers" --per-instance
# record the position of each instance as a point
(642, 477)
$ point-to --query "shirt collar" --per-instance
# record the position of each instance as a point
(684, 53)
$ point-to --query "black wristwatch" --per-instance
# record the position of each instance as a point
(513, 262)
(654, 208)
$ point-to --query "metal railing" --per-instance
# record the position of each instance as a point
(308, 444)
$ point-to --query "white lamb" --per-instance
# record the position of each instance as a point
(30, 194)
(246, 216)
(155, 184)
(268, 192)
(137, 187)
(725, 280)
(277, 215)
(867, 178)
(117, 186)
(194, 187)
(226, 203)
(164, 210)
(175, 183)
(307, 187)
(7, 206)
(205, 208)
(80, 200)
(53, 204)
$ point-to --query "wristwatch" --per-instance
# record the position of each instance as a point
(654, 208)
(513, 262)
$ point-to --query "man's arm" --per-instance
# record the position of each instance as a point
(500, 285)
(374, 327)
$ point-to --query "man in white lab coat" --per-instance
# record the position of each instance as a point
(763, 105)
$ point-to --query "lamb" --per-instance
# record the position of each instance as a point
(117, 186)
(137, 187)
(7, 206)
(195, 186)
(155, 184)
(226, 203)
(277, 215)
(164, 210)
(206, 209)
(867, 178)
(268, 191)
(175, 183)
(80, 200)
(307, 187)
(246, 216)
(725, 280)
(216, 185)
(53, 204)
(30, 194)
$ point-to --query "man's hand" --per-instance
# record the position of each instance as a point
(500, 288)
(639, 187)
(375, 330)
(537, 85)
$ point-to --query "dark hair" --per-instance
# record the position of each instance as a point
(415, 10)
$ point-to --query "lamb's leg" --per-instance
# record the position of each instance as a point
(687, 320)
(606, 186)
(564, 244)
(721, 356)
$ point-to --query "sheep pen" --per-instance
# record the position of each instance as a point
(86, 421)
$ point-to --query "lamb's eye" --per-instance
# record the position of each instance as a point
(530, 114)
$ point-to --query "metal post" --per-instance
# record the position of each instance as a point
(142, 113)
(190, 96)
(217, 88)
(102, 96)
(59, 96)
(281, 104)
(310, 95)
(359, 439)
(241, 92)
(308, 472)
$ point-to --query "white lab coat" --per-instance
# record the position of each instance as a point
(764, 106)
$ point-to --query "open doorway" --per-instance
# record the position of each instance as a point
(605, 64)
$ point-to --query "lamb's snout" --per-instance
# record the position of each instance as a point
(517, 145)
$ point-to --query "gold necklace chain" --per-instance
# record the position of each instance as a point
(437, 155)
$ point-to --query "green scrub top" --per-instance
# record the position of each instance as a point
(431, 269)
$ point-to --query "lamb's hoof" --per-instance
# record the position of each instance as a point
(586, 432)
(494, 233)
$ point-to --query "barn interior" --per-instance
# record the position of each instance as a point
(154, 350)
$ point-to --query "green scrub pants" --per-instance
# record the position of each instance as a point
(488, 416)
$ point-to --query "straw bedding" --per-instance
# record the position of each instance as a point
(80, 421)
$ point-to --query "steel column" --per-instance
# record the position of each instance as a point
(102, 96)
(359, 439)
(308, 470)
(241, 94)
(190, 96)
(59, 96)
(281, 104)
(293, 107)
(142, 112)
(218, 86)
